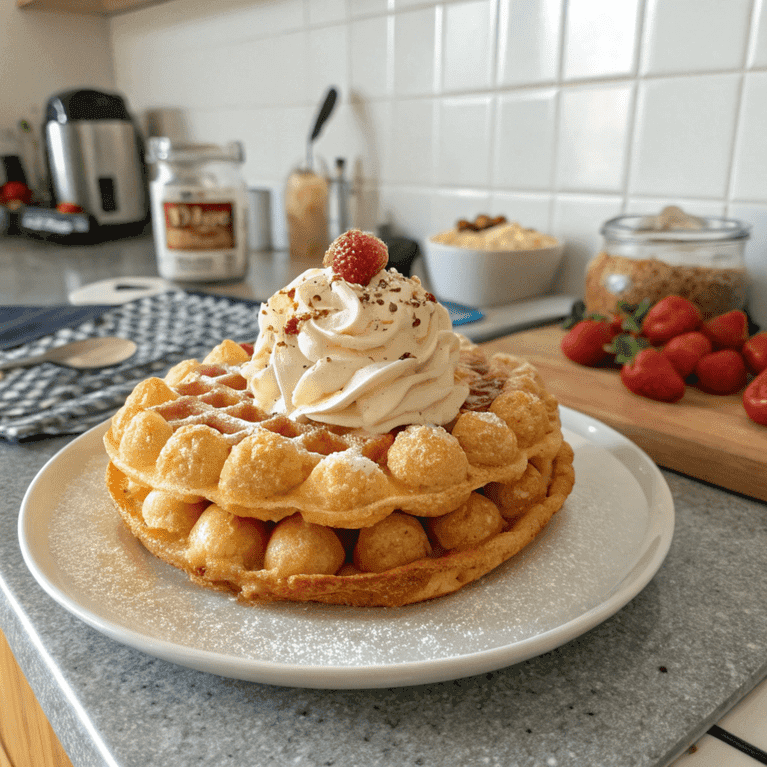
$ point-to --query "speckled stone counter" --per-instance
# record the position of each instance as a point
(636, 690)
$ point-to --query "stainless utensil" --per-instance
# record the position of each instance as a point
(92, 353)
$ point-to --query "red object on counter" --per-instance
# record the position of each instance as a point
(684, 351)
(69, 207)
(585, 342)
(727, 331)
(15, 191)
(755, 399)
(754, 352)
(652, 375)
(670, 317)
(721, 372)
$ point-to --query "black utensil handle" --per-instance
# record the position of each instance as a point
(324, 113)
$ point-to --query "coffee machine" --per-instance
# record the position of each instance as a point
(95, 159)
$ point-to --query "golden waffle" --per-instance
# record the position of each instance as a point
(274, 509)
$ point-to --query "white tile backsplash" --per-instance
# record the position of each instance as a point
(463, 157)
(370, 56)
(524, 140)
(368, 7)
(600, 38)
(328, 60)
(750, 172)
(695, 35)
(757, 53)
(327, 11)
(274, 68)
(530, 32)
(408, 209)
(415, 52)
(593, 131)
(468, 45)
(529, 210)
(556, 113)
(684, 135)
(451, 204)
(412, 129)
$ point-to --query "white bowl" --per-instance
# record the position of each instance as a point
(490, 277)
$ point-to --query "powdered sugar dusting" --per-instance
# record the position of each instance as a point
(354, 461)
(489, 417)
(589, 547)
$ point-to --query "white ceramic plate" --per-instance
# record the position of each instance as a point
(598, 552)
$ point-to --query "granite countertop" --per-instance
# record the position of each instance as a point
(636, 690)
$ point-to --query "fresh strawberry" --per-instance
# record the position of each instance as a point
(755, 399)
(670, 317)
(651, 375)
(357, 256)
(721, 372)
(754, 353)
(585, 342)
(684, 351)
(727, 331)
(616, 323)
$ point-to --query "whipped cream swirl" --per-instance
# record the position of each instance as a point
(367, 357)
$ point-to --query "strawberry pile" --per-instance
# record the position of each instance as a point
(662, 348)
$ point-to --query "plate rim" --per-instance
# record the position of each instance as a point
(327, 676)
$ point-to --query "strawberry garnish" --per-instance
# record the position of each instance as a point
(356, 256)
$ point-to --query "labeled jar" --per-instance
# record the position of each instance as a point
(651, 257)
(199, 210)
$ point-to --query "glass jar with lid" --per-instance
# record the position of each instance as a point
(199, 210)
(651, 257)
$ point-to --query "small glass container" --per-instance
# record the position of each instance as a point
(199, 210)
(701, 259)
(306, 209)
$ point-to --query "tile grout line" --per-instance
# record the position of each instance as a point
(633, 110)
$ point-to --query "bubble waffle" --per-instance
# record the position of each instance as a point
(274, 509)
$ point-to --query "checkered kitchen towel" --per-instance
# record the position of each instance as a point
(168, 327)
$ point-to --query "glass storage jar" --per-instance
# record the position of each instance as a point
(199, 210)
(306, 210)
(702, 261)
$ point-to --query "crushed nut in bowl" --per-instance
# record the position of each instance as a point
(490, 262)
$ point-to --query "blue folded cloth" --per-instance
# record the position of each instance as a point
(167, 328)
(21, 324)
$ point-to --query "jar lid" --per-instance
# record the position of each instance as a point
(164, 149)
(634, 228)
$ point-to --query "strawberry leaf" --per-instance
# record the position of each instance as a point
(625, 347)
(635, 314)
(578, 313)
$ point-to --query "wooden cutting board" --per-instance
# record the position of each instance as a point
(703, 436)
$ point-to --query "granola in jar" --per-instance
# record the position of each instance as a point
(651, 257)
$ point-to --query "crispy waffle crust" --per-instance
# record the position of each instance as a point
(272, 509)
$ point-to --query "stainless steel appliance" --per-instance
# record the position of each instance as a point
(95, 157)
